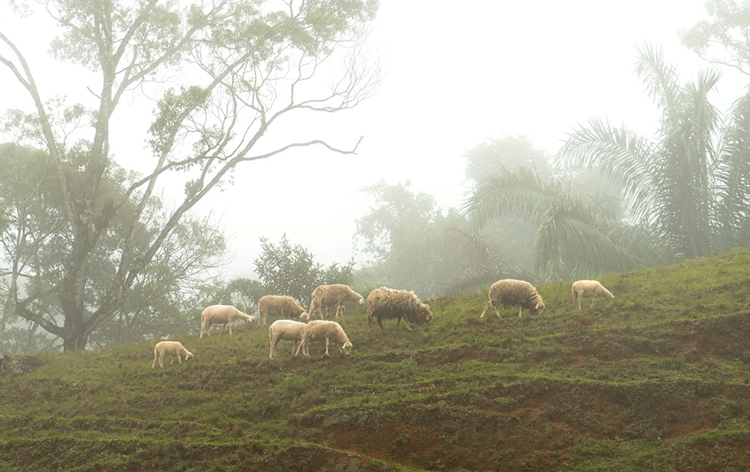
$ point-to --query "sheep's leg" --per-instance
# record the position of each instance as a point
(380, 323)
(294, 345)
(406, 322)
(171, 359)
(273, 349)
(203, 327)
(230, 327)
(179, 358)
(486, 307)
(154, 363)
(326, 346)
(592, 302)
(301, 345)
(161, 360)
(520, 312)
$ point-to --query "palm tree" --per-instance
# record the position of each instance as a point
(574, 237)
(670, 183)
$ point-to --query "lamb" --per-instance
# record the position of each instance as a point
(588, 288)
(286, 330)
(175, 348)
(279, 305)
(320, 329)
(514, 292)
(225, 314)
(325, 296)
(384, 302)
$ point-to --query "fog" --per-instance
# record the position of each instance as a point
(454, 76)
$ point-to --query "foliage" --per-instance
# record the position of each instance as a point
(34, 241)
(574, 237)
(638, 383)
(233, 70)
(404, 235)
(672, 186)
(723, 38)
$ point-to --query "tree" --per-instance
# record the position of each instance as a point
(689, 187)
(33, 233)
(723, 38)
(284, 269)
(244, 65)
(574, 237)
(404, 234)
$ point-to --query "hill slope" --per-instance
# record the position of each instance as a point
(656, 379)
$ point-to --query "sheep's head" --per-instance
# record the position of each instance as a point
(304, 315)
(538, 308)
(347, 348)
(424, 314)
(361, 300)
(188, 355)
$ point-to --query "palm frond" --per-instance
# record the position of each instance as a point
(519, 191)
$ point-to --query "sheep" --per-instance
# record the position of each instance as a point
(286, 330)
(514, 292)
(175, 348)
(588, 288)
(279, 305)
(330, 295)
(384, 302)
(225, 314)
(324, 329)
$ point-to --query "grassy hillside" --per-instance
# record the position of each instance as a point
(656, 379)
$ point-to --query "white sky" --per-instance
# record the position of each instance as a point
(458, 73)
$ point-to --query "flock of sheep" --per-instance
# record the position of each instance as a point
(382, 303)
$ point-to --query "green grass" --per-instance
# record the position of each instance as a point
(655, 379)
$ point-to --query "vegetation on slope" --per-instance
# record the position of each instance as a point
(655, 379)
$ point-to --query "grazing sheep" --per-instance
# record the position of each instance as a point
(286, 330)
(279, 305)
(325, 296)
(588, 288)
(324, 329)
(175, 348)
(384, 302)
(514, 292)
(225, 314)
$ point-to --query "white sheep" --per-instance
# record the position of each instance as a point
(325, 296)
(225, 314)
(324, 329)
(514, 292)
(281, 306)
(286, 330)
(588, 288)
(175, 348)
(385, 302)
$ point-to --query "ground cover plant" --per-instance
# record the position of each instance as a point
(655, 379)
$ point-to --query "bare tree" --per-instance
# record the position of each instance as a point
(238, 67)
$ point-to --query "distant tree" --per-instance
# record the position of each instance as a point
(284, 269)
(509, 152)
(573, 236)
(723, 38)
(690, 187)
(236, 70)
(404, 235)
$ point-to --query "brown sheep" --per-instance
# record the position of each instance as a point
(385, 303)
